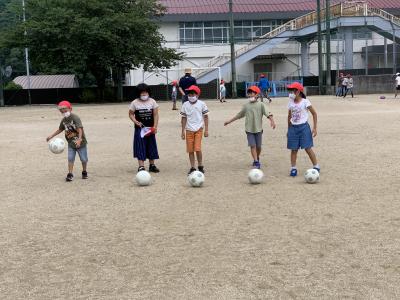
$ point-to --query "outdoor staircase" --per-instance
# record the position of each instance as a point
(297, 28)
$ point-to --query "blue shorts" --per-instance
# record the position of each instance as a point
(144, 148)
(299, 136)
(82, 152)
(254, 139)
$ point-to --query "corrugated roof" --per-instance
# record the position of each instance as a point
(255, 6)
(48, 81)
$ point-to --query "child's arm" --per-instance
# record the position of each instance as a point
(156, 118)
(57, 132)
(240, 115)
(315, 118)
(132, 117)
(79, 140)
(183, 123)
(289, 118)
(272, 121)
(181, 91)
(205, 125)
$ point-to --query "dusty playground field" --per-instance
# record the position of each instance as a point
(106, 238)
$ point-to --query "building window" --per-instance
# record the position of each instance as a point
(218, 32)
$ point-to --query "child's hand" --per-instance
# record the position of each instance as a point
(155, 130)
(273, 125)
(78, 143)
(226, 123)
(206, 133)
(48, 139)
(314, 132)
(183, 135)
(139, 124)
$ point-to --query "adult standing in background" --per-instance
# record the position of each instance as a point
(185, 82)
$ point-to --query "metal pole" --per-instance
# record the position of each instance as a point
(320, 71)
(328, 45)
(366, 56)
(394, 52)
(233, 56)
(28, 76)
(166, 74)
(385, 57)
(337, 52)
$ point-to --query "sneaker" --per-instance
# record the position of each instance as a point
(153, 168)
(293, 173)
(141, 169)
(201, 169)
(256, 164)
(84, 175)
(69, 177)
(191, 170)
(318, 169)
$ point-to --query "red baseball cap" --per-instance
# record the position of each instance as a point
(254, 89)
(297, 86)
(194, 88)
(64, 104)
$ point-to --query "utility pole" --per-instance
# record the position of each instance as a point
(328, 45)
(320, 69)
(232, 41)
(28, 76)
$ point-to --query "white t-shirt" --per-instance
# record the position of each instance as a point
(299, 111)
(194, 114)
(345, 81)
(398, 80)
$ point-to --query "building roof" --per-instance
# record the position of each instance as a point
(179, 7)
(48, 81)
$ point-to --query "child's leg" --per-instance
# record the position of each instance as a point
(253, 151)
(258, 152)
(199, 156)
(141, 163)
(312, 156)
(293, 157)
(82, 152)
(71, 159)
(70, 167)
(191, 159)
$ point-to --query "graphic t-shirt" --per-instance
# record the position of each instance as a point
(299, 111)
(254, 112)
(194, 113)
(71, 125)
(144, 111)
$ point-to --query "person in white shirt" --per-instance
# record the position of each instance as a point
(397, 84)
(349, 86)
(299, 133)
(194, 121)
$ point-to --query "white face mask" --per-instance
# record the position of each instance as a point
(192, 99)
(144, 98)
(252, 99)
(292, 96)
(67, 114)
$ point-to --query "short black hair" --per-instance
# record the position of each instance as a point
(142, 88)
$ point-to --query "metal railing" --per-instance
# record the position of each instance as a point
(344, 9)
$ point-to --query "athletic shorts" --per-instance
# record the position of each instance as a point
(299, 136)
(254, 139)
(144, 148)
(193, 140)
(82, 152)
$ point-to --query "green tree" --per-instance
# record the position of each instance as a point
(90, 37)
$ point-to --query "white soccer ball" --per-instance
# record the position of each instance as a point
(255, 176)
(57, 146)
(196, 179)
(311, 176)
(143, 178)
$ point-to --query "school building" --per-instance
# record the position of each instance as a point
(275, 37)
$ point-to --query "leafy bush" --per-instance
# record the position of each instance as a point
(12, 86)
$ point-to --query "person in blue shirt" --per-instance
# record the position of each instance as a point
(185, 82)
(264, 86)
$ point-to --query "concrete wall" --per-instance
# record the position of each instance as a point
(373, 84)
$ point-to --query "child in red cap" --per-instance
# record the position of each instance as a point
(75, 136)
(299, 131)
(254, 112)
(194, 120)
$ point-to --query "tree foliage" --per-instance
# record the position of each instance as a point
(92, 36)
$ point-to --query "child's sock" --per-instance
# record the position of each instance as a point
(317, 166)
(294, 167)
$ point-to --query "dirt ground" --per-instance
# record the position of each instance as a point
(106, 238)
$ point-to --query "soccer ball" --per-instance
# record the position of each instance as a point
(57, 146)
(255, 176)
(311, 176)
(143, 178)
(196, 179)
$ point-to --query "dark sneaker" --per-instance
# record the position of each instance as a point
(191, 170)
(84, 175)
(318, 169)
(293, 173)
(256, 164)
(69, 177)
(154, 169)
(201, 169)
(141, 169)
